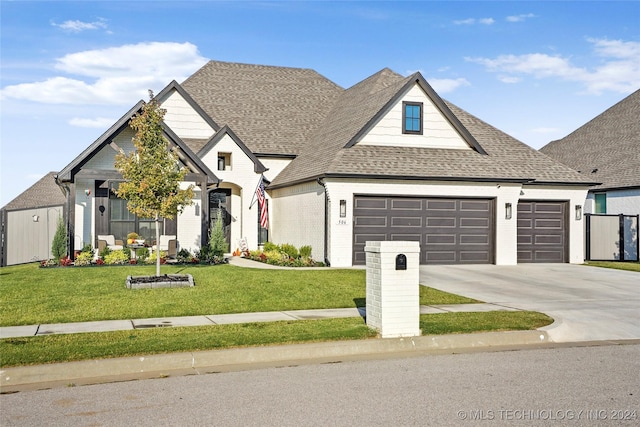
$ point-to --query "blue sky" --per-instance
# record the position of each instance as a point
(536, 70)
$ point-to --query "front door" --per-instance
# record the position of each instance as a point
(220, 204)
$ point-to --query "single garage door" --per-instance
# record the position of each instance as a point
(450, 231)
(542, 231)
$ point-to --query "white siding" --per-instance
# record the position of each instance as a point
(105, 158)
(274, 165)
(437, 131)
(623, 202)
(241, 178)
(298, 217)
(188, 223)
(84, 228)
(341, 240)
(183, 119)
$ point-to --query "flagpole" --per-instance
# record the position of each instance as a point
(253, 201)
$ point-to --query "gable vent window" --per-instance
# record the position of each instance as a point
(412, 118)
(224, 161)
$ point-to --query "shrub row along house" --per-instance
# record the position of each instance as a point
(386, 159)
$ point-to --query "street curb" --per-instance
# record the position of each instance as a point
(159, 365)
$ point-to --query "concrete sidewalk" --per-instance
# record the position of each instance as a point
(221, 319)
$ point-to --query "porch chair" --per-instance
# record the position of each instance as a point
(109, 241)
(169, 244)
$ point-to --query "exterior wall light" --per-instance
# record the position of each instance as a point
(197, 209)
(87, 192)
(578, 212)
(508, 211)
(343, 208)
(35, 218)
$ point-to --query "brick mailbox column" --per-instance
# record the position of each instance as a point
(393, 294)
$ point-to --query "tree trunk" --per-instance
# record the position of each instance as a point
(157, 245)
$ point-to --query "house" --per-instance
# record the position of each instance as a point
(29, 222)
(386, 159)
(607, 150)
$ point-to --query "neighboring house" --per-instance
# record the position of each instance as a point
(607, 150)
(386, 159)
(29, 222)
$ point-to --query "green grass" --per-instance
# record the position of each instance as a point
(629, 266)
(33, 295)
(72, 347)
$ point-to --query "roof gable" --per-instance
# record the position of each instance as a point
(441, 127)
(258, 167)
(185, 154)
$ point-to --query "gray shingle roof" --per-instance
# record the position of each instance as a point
(506, 158)
(43, 193)
(608, 144)
(273, 110)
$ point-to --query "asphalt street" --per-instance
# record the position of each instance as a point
(591, 385)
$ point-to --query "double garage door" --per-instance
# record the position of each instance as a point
(458, 231)
(450, 231)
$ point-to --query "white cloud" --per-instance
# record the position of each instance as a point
(472, 21)
(520, 18)
(118, 75)
(98, 122)
(509, 79)
(79, 26)
(448, 85)
(617, 68)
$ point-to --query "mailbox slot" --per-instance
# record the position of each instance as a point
(401, 262)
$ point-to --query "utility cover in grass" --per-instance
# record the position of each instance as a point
(164, 281)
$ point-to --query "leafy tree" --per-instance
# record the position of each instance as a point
(59, 244)
(152, 172)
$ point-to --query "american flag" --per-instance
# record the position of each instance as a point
(262, 202)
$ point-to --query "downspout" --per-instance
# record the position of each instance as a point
(320, 181)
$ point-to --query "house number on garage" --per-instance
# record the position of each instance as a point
(342, 222)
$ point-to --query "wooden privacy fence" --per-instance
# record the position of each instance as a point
(611, 237)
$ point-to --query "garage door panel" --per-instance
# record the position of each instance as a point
(542, 231)
(370, 204)
(450, 230)
(441, 222)
(371, 221)
(440, 239)
(406, 204)
(409, 221)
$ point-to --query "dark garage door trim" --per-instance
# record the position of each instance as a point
(450, 230)
(543, 234)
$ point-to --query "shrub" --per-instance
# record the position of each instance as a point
(305, 251)
(59, 244)
(116, 258)
(84, 258)
(290, 250)
(106, 251)
(142, 254)
(268, 246)
(65, 261)
(217, 241)
(184, 256)
(275, 257)
(152, 258)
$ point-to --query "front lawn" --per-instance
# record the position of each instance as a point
(33, 295)
(629, 266)
(66, 348)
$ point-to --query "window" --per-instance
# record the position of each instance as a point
(123, 222)
(412, 118)
(601, 203)
(224, 161)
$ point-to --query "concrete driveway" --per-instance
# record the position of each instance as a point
(587, 303)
